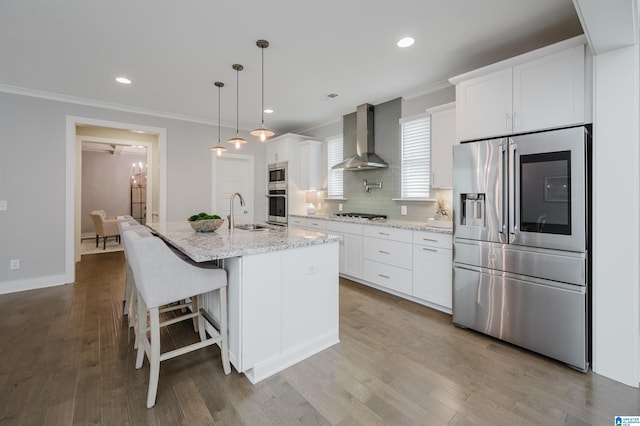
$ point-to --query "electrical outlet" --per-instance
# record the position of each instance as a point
(340, 207)
(14, 264)
(3, 205)
(312, 269)
(403, 210)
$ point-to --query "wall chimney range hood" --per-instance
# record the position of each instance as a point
(366, 158)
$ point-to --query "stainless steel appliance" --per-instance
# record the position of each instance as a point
(521, 241)
(277, 194)
(277, 173)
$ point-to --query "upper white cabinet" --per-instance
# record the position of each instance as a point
(544, 89)
(277, 150)
(443, 137)
(310, 164)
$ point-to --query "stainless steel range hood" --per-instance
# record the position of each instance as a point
(366, 158)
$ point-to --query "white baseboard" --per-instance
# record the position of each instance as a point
(34, 283)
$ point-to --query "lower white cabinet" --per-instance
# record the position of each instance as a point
(297, 222)
(388, 276)
(432, 266)
(350, 263)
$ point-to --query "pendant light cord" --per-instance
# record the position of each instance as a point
(262, 49)
(237, 101)
(218, 115)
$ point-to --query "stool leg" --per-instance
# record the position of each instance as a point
(195, 307)
(200, 321)
(141, 332)
(154, 358)
(224, 349)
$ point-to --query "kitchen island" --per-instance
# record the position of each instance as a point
(282, 291)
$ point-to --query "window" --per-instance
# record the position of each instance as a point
(416, 156)
(334, 156)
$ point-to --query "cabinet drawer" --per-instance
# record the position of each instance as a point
(396, 234)
(344, 227)
(387, 276)
(389, 252)
(433, 239)
(317, 224)
(297, 222)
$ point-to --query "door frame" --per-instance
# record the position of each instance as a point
(214, 173)
(74, 175)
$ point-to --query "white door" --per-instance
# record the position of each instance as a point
(233, 173)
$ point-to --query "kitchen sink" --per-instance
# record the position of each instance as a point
(251, 227)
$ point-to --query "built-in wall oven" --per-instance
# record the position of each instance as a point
(277, 194)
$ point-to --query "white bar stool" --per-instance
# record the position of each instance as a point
(126, 223)
(162, 278)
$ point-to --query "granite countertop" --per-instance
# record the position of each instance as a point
(205, 246)
(389, 223)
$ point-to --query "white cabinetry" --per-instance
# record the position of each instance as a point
(387, 257)
(350, 262)
(303, 157)
(544, 89)
(277, 150)
(297, 222)
(319, 225)
(432, 266)
(443, 137)
(310, 164)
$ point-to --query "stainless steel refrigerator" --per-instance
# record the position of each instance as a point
(521, 241)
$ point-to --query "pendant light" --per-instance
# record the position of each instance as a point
(219, 149)
(262, 132)
(237, 140)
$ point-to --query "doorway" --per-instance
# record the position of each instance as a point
(156, 193)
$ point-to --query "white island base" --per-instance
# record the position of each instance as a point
(283, 307)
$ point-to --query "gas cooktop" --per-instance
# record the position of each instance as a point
(367, 216)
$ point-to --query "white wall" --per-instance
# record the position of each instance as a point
(32, 180)
(616, 214)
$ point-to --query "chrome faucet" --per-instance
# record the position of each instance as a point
(231, 224)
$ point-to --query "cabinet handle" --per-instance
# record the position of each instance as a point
(428, 249)
(508, 121)
(383, 252)
(515, 120)
(430, 240)
(384, 276)
(383, 233)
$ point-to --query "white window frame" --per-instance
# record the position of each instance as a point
(415, 156)
(335, 178)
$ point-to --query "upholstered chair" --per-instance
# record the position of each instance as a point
(106, 226)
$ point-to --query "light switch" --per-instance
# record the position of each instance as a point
(340, 207)
(3, 205)
(403, 210)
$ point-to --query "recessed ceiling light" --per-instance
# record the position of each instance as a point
(332, 95)
(123, 80)
(268, 111)
(406, 42)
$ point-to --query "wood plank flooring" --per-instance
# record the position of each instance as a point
(66, 358)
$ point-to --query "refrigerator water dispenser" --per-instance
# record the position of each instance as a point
(473, 210)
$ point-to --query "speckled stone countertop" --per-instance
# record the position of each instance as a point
(205, 246)
(389, 223)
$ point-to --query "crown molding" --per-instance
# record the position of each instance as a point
(107, 105)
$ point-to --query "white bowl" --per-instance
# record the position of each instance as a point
(206, 225)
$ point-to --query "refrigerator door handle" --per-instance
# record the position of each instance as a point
(513, 183)
(502, 225)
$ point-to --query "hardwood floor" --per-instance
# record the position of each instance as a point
(67, 358)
